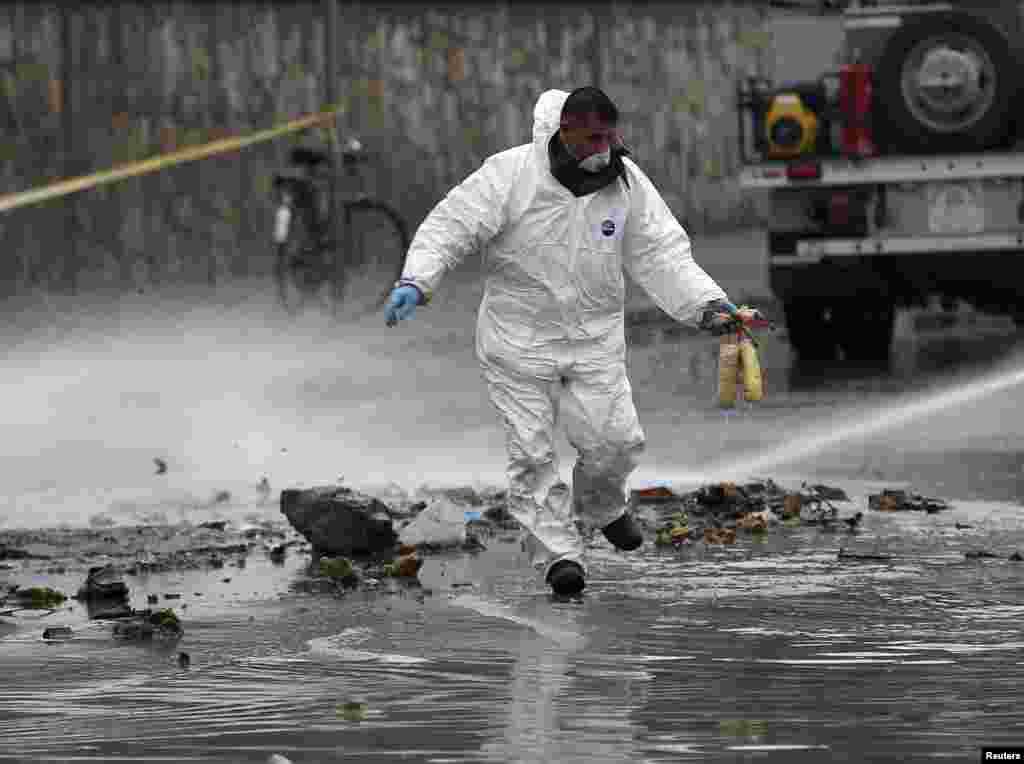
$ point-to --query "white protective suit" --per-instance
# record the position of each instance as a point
(550, 332)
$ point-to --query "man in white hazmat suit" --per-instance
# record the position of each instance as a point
(557, 220)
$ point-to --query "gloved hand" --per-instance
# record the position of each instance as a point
(401, 304)
(719, 317)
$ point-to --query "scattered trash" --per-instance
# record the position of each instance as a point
(161, 465)
(38, 597)
(499, 515)
(276, 758)
(853, 522)
(676, 533)
(57, 632)
(653, 494)
(1016, 557)
(172, 596)
(473, 543)
(152, 599)
(118, 611)
(962, 526)
(339, 568)
(11, 553)
(980, 554)
(441, 525)
(184, 660)
(791, 506)
(719, 536)
(827, 492)
(147, 625)
(352, 711)
(277, 552)
(102, 582)
(214, 525)
(406, 566)
(743, 727)
(896, 500)
(472, 515)
(847, 555)
(754, 521)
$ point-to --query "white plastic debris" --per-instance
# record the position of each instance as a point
(441, 523)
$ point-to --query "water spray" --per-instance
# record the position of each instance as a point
(812, 443)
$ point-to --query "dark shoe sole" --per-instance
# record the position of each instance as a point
(566, 578)
(624, 533)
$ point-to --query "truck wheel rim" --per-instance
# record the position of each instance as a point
(948, 83)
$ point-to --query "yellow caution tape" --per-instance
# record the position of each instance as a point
(71, 185)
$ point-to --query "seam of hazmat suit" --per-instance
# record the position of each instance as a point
(554, 312)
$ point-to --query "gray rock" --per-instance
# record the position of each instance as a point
(339, 521)
(104, 582)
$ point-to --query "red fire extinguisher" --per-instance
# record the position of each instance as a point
(855, 94)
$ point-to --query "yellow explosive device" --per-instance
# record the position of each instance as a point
(738, 365)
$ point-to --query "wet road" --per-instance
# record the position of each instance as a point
(770, 650)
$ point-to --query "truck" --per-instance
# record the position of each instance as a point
(896, 179)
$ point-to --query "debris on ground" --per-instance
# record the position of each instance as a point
(756, 522)
(979, 554)
(352, 711)
(719, 535)
(441, 525)
(103, 582)
(743, 727)
(867, 556)
(37, 598)
(676, 532)
(406, 566)
(897, 500)
(57, 632)
(145, 625)
(728, 506)
(339, 568)
(853, 522)
(340, 521)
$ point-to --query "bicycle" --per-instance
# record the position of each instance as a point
(307, 265)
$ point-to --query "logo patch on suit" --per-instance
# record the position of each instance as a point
(608, 227)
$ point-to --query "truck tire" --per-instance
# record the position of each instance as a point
(864, 332)
(810, 330)
(968, 102)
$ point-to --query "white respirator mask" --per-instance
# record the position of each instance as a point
(597, 162)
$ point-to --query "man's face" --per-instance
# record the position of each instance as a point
(587, 134)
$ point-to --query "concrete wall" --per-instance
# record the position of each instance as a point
(431, 90)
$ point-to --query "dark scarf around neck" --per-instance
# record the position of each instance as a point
(567, 171)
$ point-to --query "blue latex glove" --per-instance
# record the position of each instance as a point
(401, 304)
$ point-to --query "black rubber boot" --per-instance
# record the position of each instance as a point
(566, 578)
(624, 533)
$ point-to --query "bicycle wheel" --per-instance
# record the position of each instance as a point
(370, 262)
(302, 268)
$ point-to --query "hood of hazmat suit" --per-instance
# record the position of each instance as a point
(550, 329)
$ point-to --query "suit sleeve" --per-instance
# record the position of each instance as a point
(657, 254)
(468, 217)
